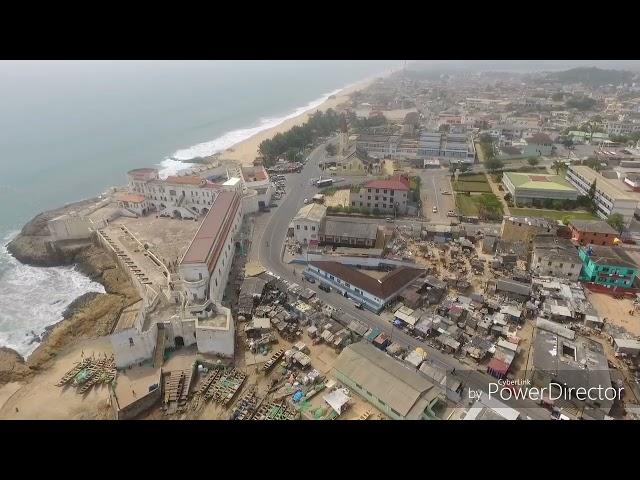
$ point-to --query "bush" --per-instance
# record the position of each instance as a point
(376, 211)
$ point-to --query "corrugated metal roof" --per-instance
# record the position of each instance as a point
(386, 379)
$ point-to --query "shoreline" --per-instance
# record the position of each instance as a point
(246, 150)
(28, 247)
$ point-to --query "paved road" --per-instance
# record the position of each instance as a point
(274, 234)
(433, 183)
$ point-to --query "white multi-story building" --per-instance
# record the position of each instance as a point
(609, 198)
(308, 223)
(204, 268)
(621, 128)
(555, 257)
(257, 179)
(386, 196)
(186, 196)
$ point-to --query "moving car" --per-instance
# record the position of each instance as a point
(434, 209)
(325, 287)
(445, 192)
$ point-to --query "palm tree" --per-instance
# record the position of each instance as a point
(558, 165)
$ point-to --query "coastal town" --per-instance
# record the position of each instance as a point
(424, 247)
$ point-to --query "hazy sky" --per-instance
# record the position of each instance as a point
(527, 65)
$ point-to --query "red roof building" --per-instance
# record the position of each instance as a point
(397, 182)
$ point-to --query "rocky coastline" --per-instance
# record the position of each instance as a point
(89, 316)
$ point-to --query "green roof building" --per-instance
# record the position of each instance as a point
(525, 188)
(609, 266)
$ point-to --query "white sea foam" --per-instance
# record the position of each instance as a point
(229, 139)
(34, 298)
(169, 166)
(178, 161)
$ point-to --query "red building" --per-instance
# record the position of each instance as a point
(595, 232)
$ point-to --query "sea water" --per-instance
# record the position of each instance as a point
(69, 130)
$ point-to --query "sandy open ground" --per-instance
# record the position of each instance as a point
(40, 399)
(247, 150)
(616, 311)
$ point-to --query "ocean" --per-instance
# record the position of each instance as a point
(71, 129)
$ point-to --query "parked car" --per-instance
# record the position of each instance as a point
(434, 209)
(451, 213)
(325, 287)
(360, 306)
(446, 192)
(306, 200)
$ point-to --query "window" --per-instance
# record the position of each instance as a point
(369, 197)
(297, 227)
(369, 191)
(375, 205)
(376, 197)
(131, 342)
(306, 228)
(381, 402)
(353, 204)
(384, 191)
(384, 199)
(384, 205)
(313, 228)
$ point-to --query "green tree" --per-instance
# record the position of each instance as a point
(331, 149)
(592, 196)
(486, 138)
(444, 128)
(566, 219)
(616, 221)
(533, 161)
(566, 141)
(594, 163)
(493, 164)
(559, 166)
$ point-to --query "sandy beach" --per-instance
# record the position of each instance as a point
(247, 150)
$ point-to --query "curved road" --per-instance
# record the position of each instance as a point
(298, 188)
